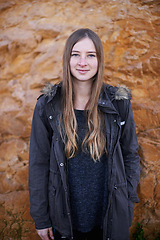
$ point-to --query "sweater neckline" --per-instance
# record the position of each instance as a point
(80, 110)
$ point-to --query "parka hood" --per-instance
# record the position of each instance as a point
(122, 93)
(50, 88)
(117, 93)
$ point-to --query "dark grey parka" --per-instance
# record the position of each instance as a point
(48, 185)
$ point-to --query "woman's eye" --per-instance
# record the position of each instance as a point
(91, 55)
(74, 55)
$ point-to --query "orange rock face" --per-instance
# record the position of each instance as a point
(32, 38)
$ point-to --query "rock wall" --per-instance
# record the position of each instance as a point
(32, 37)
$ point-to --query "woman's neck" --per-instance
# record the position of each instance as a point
(82, 93)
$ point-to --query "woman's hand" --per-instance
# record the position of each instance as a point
(45, 234)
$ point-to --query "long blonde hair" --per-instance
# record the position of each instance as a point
(94, 140)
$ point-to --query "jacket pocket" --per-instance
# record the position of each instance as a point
(52, 194)
(54, 185)
(57, 204)
(120, 213)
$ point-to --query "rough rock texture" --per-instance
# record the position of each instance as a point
(32, 37)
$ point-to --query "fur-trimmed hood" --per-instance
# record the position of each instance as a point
(50, 88)
(122, 93)
(117, 93)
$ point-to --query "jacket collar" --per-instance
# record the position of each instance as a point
(105, 100)
(107, 96)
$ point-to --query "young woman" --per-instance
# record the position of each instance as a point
(84, 164)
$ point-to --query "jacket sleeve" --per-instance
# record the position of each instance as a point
(39, 156)
(129, 145)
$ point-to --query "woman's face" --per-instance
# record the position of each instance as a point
(83, 61)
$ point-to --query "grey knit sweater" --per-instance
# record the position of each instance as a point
(87, 183)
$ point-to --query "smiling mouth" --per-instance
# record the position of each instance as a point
(82, 71)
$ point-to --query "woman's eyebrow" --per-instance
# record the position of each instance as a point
(87, 51)
(91, 51)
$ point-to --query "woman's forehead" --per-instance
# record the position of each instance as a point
(85, 44)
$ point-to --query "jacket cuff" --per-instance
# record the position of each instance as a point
(134, 199)
(42, 224)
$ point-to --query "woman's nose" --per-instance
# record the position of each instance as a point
(82, 61)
